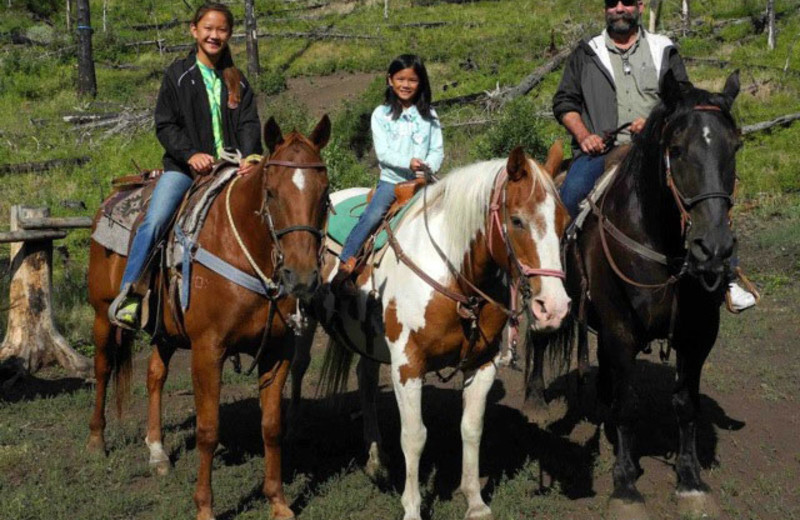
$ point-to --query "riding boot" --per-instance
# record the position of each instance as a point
(342, 284)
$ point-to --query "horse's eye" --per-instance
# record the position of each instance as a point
(517, 222)
(675, 152)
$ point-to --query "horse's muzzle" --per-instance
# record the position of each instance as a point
(301, 286)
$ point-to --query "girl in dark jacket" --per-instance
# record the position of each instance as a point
(205, 105)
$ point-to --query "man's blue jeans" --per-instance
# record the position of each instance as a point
(168, 194)
(582, 174)
(369, 220)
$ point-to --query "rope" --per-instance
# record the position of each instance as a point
(266, 280)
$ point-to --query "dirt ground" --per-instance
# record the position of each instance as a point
(324, 93)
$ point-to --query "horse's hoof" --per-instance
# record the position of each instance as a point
(96, 446)
(160, 468)
(697, 505)
(377, 472)
(481, 512)
(282, 512)
(621, 509)
(534, 408)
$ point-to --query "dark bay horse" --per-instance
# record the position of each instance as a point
(439, 298)
(652, 262)
(278, 214)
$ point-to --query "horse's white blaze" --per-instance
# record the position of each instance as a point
(475, 391)
(299, 179)
(548, 248)
(707, 135)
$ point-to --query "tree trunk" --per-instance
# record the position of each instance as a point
(253, 66)
(386, 9)
(69, 16)
(655, 9)
(105, 11)
(32, 340)
(771, 33)
(87, 82)
(686, 21)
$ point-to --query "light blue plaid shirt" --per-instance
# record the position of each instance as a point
(405, 138)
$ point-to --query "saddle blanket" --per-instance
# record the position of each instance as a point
(347, 213)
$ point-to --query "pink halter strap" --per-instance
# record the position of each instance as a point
(498, 196)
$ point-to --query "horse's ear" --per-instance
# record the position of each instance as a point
(321, 133)
(671, 91)
(517, 166)
(731, 89)
(554, 158)
(272, 134)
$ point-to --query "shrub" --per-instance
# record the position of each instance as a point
(517, 125)
(344, 169)
(42, 8)
(271, 82)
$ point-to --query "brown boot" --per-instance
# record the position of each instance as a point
(342, 284)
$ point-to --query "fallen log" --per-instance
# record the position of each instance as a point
(784, 120)
(165, 25)
(535, 77)
(42, 166)
(9, 237)
(82, 119)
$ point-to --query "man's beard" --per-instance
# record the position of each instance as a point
(623, 23)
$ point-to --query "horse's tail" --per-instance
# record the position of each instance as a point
(120, 358)
(554, 158)
(335, 369)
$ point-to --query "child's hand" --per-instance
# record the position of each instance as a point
(201, 163)
(247, 167)
(418, 166)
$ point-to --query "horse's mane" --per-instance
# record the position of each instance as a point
(464, 195)
(644, 161)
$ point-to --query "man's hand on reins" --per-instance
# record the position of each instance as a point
(201, 163)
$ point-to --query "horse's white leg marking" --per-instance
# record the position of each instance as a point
(412, 433)
(475, 391)
(368, 372)
(157, 453)
(299, 179)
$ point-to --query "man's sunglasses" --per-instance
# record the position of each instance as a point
(626, 3)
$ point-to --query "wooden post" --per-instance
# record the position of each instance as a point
(32, 340)
(87, 81)
(253, 66)
(685, 17)
(655, 8)
(771, 33)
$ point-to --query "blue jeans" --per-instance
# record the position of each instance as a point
(369, 220)
(582, 174)
(169, 192)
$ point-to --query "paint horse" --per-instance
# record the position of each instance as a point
(278, 214)
(652, 261)
(439, 298)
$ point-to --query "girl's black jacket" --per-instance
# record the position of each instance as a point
(183, 116)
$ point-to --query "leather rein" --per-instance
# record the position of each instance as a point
(684, 205)
(468, 306)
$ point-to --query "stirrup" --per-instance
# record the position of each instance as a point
(748, 286)
(114, 308)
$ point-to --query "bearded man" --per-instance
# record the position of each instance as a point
(613, 80)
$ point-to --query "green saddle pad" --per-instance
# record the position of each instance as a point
(349, 210)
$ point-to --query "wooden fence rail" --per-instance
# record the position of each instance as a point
(32, 340)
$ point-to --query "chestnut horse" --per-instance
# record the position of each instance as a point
(652, 262)
(440, 298)
(279, 213)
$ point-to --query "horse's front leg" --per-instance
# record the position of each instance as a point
(476, 387)
(368, 372)
(157, 371)
(300, 363)
(619, 354)
(273, 369)
(206, 378)
(407, 381)
(694, 497)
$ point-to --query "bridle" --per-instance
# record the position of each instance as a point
(683, 202)
(277, 234)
